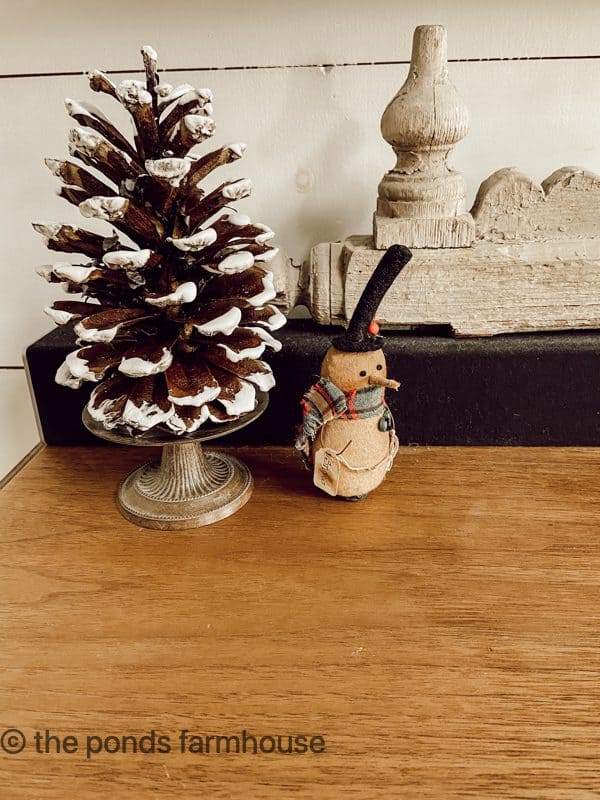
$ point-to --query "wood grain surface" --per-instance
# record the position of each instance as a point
(443, 636)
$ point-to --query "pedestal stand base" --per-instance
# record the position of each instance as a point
(188, 489)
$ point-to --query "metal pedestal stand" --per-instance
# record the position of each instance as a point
(189, 487)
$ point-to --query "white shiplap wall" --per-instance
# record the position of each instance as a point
(314, 149)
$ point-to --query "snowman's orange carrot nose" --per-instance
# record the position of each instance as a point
(387, 382)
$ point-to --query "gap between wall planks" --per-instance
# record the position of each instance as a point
(332, 65)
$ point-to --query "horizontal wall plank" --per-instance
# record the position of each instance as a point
(18, 431)
(314, 153)
(62, 36)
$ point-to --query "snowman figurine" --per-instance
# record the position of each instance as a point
(347, 436)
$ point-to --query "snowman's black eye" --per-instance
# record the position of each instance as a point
(379, 366)
(363, 373)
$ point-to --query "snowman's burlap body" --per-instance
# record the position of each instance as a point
(351, 458)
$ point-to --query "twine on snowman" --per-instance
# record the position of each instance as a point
(328, 465)
(394, 445)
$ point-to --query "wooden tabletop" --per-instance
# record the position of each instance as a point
(439, 640)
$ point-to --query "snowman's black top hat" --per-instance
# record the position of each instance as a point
(357, 338)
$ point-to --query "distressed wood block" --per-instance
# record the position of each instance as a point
(510, 206)
(449, 232)
(481, 290)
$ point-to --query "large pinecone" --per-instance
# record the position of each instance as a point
(176, 318)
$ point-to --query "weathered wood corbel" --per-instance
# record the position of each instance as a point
(526, 258)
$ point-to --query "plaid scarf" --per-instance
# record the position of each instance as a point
(324, 402)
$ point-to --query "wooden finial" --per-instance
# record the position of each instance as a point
(422, 199)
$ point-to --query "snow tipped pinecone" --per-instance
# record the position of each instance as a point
(175, 320)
